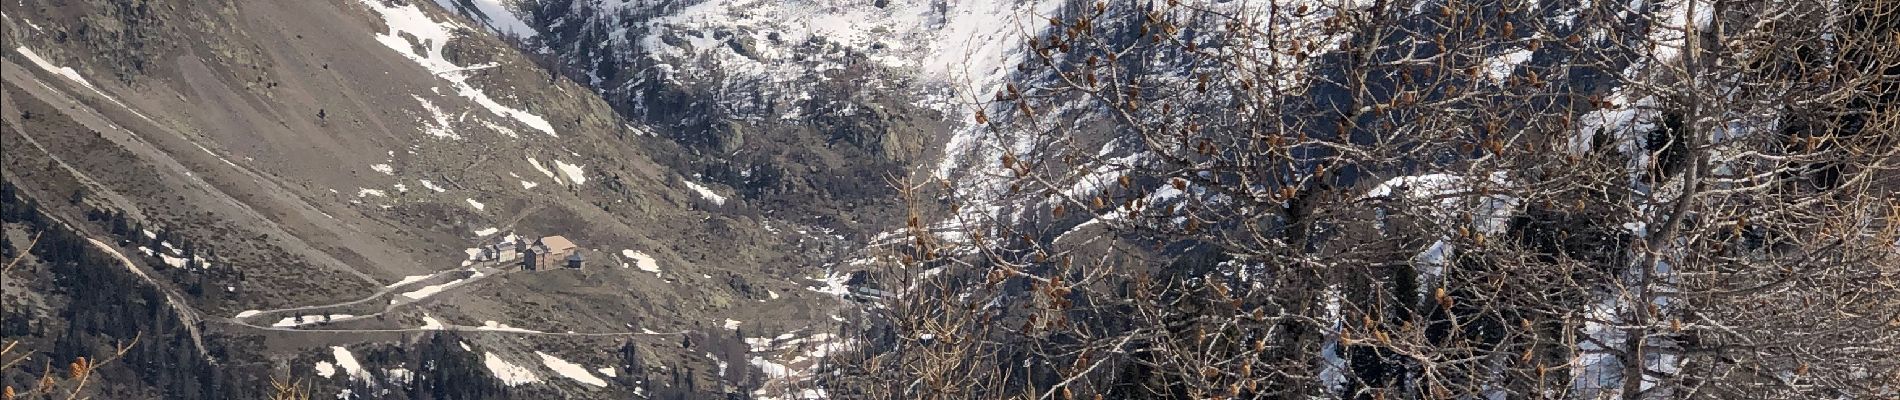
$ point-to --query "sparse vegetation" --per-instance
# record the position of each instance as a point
(1359, 200)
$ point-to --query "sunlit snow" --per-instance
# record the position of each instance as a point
(573, 172)
(570, 370)
(509, 373)
(705, 192)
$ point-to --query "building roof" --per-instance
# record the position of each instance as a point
(557, 243)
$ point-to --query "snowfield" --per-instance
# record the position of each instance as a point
(431, 290)
(408, 21)
(288, 322)
(66, 72)
(574, 173)
(496, 16)
(570, 370)
(642, 261)
(705, 192)
(543, 168)
(509, 373)
(496, 326)
(347, 361)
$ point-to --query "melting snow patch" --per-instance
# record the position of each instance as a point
(528, 185)
(509, 373)
(496, 326)
(1500, 67)
(570, 370)
(429, 322)
(544, 169)
(705, 192)
(476, 204)
(66, 72)
(400, 376)
(642, 261)
(574, 173)
(497, 15)
(175, 262)
(408, 21)
(431, 185)
(608, 371)
(365, 192)
(287, 322)
(348, 362)
(430, 290)
(326, 369)
(733, 324)
(409, 279)
(440, 126)
(486, 232)
(834, 285)
(248, 313)
(383, 168)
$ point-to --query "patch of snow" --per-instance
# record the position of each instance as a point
(248, 313)
(528, 185)
(287, 322)
(383, 168)
(834, 284)
(175, 262)
(366, 192)
(476, 204)
(407, 21)
(642, 261)
(401, 188)
(429, 322)
(1500, 67)
(497, 15)
(348, 362)
(705, 192)
(486, 232)
(430, 290)
(732, 324)
(400, 376)
(496, 326)
(608, 371)
(431, 185)
(408, 280)
(574, 173)
(437, 124)
(570, 370)
(67, 72)
(326, 369)
(544, 169)
(509, 373)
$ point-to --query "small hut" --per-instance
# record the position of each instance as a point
(574, 260)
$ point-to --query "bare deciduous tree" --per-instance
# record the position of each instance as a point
(1441, 199)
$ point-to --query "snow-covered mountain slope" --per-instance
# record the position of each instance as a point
(338, 165)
